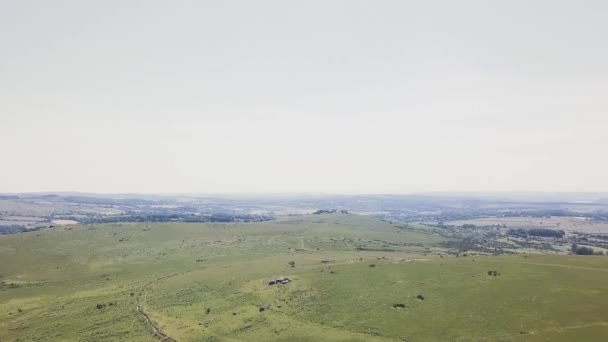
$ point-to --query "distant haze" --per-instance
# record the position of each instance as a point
(303, 96)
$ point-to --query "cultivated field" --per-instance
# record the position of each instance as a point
(354, 279)
(571, 224)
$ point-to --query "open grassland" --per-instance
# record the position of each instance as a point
(208, 282)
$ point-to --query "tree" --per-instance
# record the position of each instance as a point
(574, 248)
(291, 264)
(584, 251)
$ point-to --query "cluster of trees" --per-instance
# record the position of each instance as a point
(15, 229)
(600, 237)
(464, 244)
(11, 229)
(100, 306)
(107, 201)
(175, 217)
(543, 232)
(145, 217)
(329, 211)
(578, 250)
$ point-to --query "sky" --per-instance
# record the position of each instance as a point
(303, 96)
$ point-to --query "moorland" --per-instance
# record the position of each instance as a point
(344, 277)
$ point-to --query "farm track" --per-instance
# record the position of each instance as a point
(139, 307)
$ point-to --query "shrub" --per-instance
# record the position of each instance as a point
(584, 251)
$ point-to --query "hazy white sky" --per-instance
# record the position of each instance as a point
(298, 96)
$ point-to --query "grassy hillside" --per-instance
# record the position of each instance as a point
(197, 282)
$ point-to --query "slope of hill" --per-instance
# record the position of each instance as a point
(350, 278)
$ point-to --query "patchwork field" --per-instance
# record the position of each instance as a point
(571, 224)
(353, 279)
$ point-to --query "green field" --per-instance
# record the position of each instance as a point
(208, 282)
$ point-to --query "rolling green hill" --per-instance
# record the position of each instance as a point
(209, 282)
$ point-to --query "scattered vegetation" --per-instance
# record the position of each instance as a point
(87, 275)
(544, 232)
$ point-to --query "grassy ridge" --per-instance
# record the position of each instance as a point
(52, 282)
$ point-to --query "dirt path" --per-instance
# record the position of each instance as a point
(139, 307)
